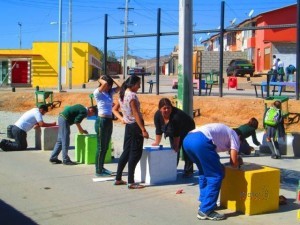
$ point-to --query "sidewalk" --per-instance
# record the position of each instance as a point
(33, 191)
(244, 88)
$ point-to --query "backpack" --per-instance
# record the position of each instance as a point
(272, 116)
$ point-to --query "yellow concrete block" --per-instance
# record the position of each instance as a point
(253, 189)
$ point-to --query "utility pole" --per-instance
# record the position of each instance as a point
(185, 58)
(20, 34)
(59, 88)
(125, 39)
(70, 64)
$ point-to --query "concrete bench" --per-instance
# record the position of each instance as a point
(46, 137)
(203, 85)
(263, 86)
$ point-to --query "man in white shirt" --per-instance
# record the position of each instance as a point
(274, 69)
(26, 122)
(280, 69)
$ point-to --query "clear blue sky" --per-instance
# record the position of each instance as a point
(88, 19)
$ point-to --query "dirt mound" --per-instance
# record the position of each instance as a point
(231, 111)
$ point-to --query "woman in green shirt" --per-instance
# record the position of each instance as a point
(247, 130)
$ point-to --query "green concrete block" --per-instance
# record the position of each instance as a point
(79, 147)
(91, 150)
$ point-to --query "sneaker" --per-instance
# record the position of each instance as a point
(103, 174)
(276, 156)
(187, 174)
(69, 163)
(55, 161)
(213, 215)
(2, 145)
(107, 171)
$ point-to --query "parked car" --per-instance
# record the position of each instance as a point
(240, 67)
(136, 70)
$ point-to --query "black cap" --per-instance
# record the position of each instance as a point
(44, 107)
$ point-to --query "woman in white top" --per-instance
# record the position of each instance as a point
(104, 125)
(135, 130)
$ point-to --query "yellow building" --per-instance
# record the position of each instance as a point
(39, 66)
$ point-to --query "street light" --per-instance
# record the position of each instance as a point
(20, 34)
(70, 65)
(68, 24)
(60, 33)
(59, 44)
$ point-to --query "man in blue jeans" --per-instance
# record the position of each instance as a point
(71, 115)
(30, 119)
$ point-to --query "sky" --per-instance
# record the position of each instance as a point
(35, 20)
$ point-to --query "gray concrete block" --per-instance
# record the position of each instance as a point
(46, 137)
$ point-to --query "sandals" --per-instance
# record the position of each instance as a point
(135, 186)
(130, 186)
(120, 182)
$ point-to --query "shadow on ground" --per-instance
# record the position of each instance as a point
(11, 216)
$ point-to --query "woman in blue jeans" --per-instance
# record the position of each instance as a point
(202, 146)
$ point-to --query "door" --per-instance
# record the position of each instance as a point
(267, 57)
(3, 71)
(19, 72)
(258, 64)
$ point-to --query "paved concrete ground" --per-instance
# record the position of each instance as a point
(33, 191)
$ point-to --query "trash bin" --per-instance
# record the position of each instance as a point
(284, 104)
(232, 82)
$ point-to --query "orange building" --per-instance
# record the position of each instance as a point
(261, 44)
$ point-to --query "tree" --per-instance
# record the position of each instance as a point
(111, 57)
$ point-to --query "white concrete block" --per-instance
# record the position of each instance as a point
(157, 165)
(289, 146)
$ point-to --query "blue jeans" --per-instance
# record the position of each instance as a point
(274, 76)
(63, 140)
(203, 153)
(103, 128)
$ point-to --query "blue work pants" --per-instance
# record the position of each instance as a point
(202, 152)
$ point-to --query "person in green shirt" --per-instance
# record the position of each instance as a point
(247, 130)
(69, 116)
